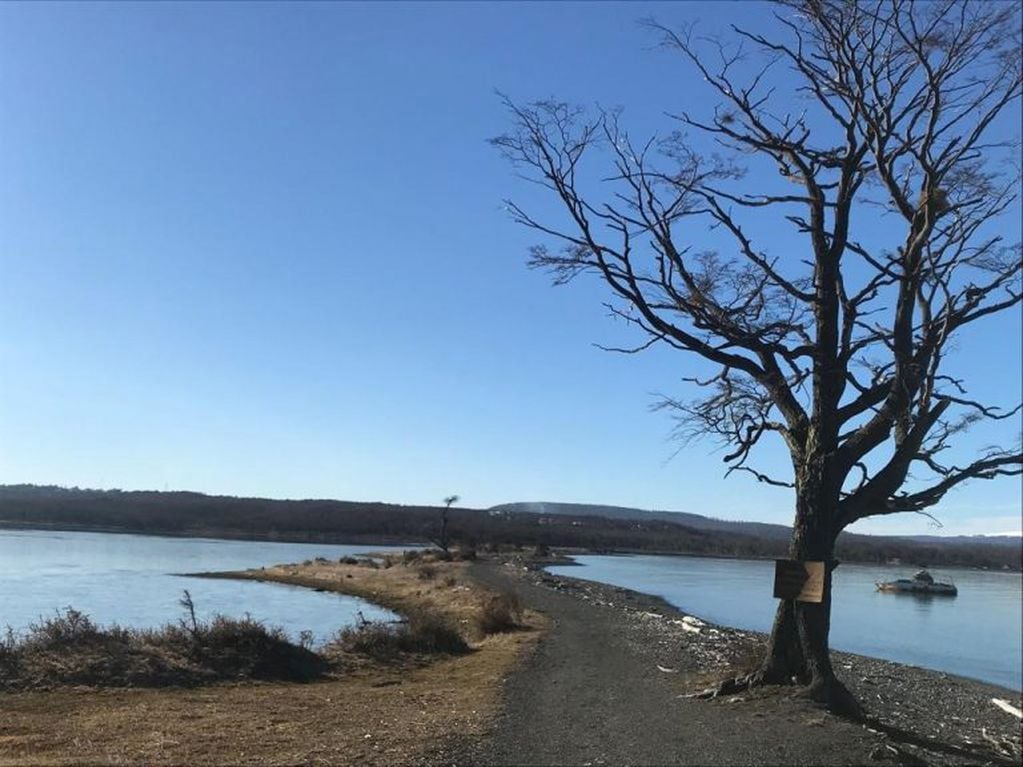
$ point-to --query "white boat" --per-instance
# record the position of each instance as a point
(921, 583)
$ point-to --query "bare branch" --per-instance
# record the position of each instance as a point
(880, 124)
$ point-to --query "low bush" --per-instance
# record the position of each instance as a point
(246, 649)
(500, 613)
(426, 572)
(348, 561)
(69, 649)
(377, 640)
(429, 633)
(423, 633)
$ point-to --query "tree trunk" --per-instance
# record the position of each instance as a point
(797, 651)
(443, 538)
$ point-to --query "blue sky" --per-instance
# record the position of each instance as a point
(260, 249)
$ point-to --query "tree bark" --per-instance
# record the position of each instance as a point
(443, 538)
(797, 651)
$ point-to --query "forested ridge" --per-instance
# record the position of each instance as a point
(194, 514)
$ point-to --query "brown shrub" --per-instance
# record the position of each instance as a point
(500, 613)
(422, 632)
(69, 649)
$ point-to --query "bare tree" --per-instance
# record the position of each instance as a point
(192, 624)
(443, 536)
(892, 176)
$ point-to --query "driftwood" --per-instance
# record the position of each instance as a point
(1007, 707)
(1004, 746)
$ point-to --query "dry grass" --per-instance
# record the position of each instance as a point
(69, 649)
(406, 714)
(422, 633)
(378, 713)
(399, 585)
(500, 613)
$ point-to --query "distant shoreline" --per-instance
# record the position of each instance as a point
(192, 515)
(356, 540)
(569, 553)
(383, 540)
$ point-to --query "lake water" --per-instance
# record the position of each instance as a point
(131, 580)
(977, 634)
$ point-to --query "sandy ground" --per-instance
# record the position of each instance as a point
(374, 717)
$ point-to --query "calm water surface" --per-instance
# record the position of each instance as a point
(130, 580)
(977, 634)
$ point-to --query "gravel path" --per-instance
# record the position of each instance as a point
(592, 694)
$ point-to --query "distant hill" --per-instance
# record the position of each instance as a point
(593, 528)
(761, 530)
(971, 540)
(196, 514)
(697, 521)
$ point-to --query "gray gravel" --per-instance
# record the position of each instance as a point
(607, 685)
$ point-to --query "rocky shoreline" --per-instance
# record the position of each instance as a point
(918, 716)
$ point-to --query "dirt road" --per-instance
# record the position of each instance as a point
(592, 693)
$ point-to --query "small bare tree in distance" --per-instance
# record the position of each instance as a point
(443, 537)
(891, 176)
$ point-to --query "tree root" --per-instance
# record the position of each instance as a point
(728, 687)
(828, 693)
(831, 694)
